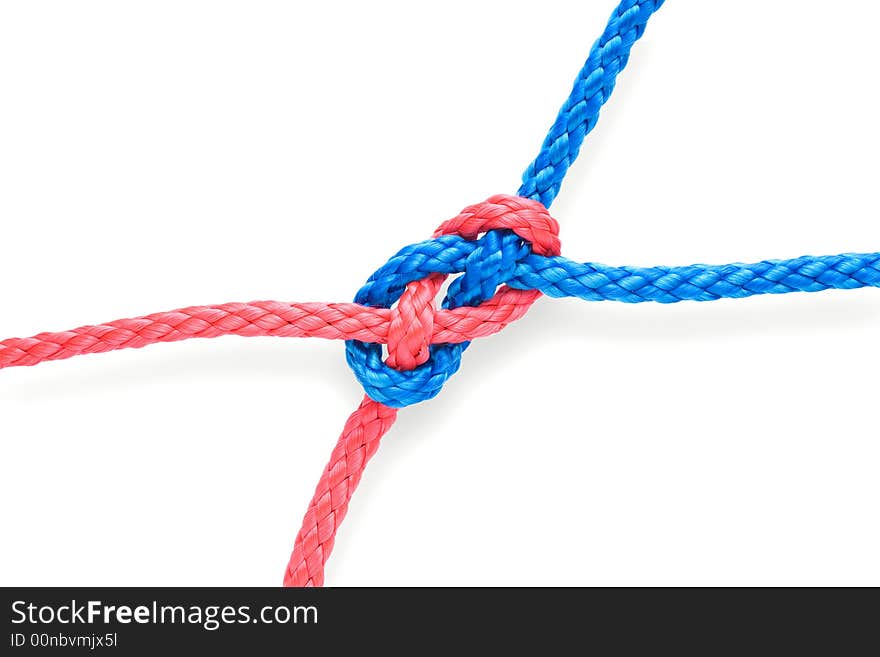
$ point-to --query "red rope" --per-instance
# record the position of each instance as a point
(358, 442)
(334, 321)
(409, 328)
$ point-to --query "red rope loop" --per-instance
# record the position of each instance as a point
(411, 329)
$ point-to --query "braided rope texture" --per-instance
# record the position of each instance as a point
(415, 370)
(333, 321)
(552, 276)
(592, 88)
(357, 444)
(506, 252)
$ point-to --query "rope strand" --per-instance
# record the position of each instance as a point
(592, 88)
(357, 444)
(333, 321)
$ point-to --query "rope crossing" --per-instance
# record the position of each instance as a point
(506, 253)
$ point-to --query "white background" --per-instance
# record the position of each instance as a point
(163, 154)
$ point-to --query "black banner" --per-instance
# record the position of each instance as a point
(263, 621)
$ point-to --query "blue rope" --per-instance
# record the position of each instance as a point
(501, 257)
(561, 277)
(592, 88)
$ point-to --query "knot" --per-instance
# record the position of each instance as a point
(484, 243)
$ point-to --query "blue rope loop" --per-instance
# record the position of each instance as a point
(484, 264)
